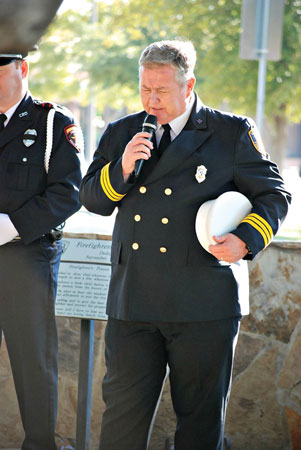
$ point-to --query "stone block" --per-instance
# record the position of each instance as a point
(275, 297)
(255, 419)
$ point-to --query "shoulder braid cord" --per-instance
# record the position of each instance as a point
(49, 138)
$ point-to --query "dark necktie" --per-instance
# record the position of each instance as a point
(2, 120)
(165, 139)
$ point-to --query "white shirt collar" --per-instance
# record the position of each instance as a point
(11, 111)
(177, 124)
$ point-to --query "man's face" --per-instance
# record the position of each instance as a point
(11, 77)
(161, 94)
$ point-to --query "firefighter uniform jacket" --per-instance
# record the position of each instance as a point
(36, 201)
(37, 196)
(160, 272)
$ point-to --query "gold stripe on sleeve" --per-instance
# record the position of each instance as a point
(265, 224)
(107, 186)
(261, 225)
(258, 229)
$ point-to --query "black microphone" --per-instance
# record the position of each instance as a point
(150, 126)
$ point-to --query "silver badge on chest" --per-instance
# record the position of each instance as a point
(29, 137)
(200, 174)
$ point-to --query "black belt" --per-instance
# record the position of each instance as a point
(53, 235)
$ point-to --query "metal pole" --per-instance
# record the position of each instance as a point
(264, 7)
(90, 146)
(85, 384)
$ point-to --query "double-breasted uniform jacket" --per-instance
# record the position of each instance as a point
(35, 201)
(160, 272)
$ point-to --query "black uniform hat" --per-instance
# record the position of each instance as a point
(22, 24)
(7, 58)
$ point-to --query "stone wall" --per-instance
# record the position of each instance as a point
(265, 406)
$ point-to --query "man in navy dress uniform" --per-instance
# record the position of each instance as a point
(39, 181)
(170, 302)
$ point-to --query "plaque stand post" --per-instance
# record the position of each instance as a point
(83, 282)
(85, 384)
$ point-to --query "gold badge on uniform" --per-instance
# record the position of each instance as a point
(256, 140)
(200, 174)
(29, 137)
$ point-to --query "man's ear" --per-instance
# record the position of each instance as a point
(24, 68)
(190, 86)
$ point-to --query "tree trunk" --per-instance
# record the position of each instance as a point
(277, 149)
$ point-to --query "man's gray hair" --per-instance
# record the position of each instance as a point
(179, 53)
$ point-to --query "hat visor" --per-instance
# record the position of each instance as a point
(7, 58)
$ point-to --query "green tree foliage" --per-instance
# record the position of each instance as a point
(78, 57)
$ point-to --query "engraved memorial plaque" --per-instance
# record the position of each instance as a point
(84, 277)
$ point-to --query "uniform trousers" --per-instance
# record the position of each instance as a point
(28, 280)
(199, 356)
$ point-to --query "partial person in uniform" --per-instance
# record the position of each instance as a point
(170, 302)
(39, 182)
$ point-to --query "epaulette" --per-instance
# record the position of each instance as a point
(48, 105)
(73, 133)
